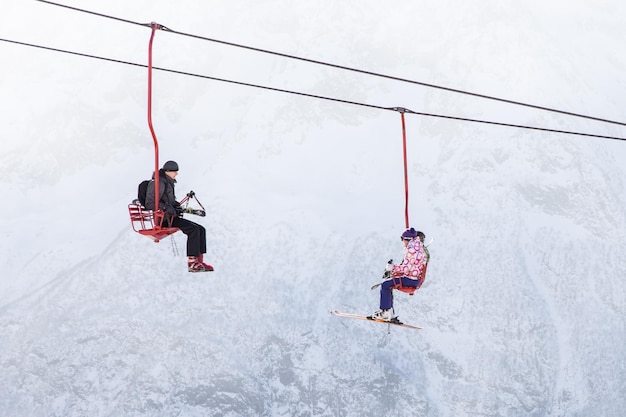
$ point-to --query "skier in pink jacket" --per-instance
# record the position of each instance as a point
(406, 276)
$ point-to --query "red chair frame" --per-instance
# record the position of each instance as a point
(149, 223)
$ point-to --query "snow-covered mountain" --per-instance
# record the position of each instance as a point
(524, 305)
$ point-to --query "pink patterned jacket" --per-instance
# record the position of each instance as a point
(414, 263)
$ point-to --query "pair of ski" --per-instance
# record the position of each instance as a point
(393, 321)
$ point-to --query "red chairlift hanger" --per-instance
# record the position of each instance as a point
(400, 287)
(145, 221)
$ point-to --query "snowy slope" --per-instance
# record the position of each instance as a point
(524, 307)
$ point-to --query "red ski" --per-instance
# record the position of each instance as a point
(394, 321)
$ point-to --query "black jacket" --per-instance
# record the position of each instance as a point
(167, 200)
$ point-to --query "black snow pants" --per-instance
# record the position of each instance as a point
(196, 235)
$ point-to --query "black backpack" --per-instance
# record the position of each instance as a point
(141, 192)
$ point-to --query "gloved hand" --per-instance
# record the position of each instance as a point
(388, 267)
(170, 209)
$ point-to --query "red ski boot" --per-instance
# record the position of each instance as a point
(194, 265)
(206, 266)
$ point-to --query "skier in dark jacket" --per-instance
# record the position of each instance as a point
(196, 233)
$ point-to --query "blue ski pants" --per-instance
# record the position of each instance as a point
(386, 290)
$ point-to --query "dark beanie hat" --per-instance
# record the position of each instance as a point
(412, 234)
(170, 166)
(409, 234)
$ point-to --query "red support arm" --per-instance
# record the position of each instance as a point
(154, 27)
(406, 175)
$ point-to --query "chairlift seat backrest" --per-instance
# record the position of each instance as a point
(143, 222)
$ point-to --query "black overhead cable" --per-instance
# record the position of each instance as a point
(313, 61)
(356, 103)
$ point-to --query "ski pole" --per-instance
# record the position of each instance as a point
(386, 276)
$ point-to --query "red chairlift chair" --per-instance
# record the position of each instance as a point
(148, 222)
